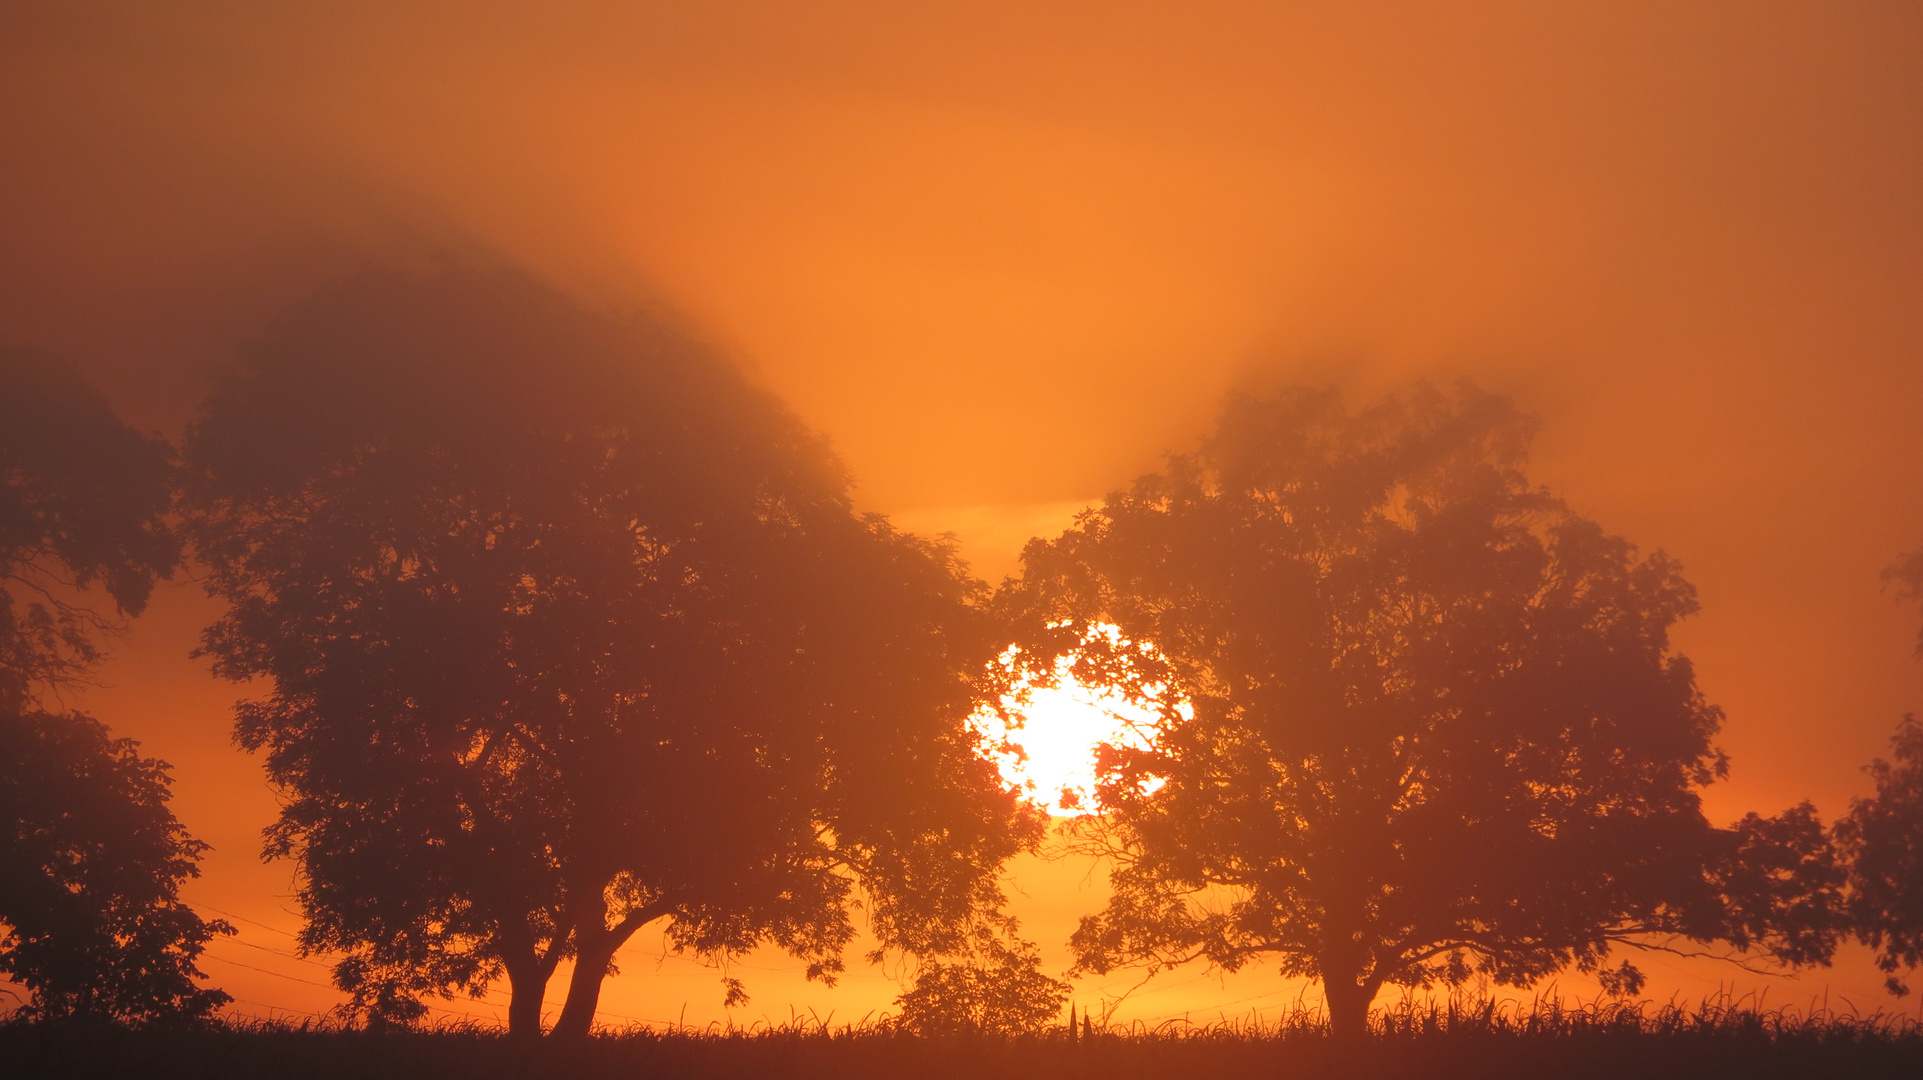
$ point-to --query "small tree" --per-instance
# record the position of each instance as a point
(1883, 839)
(570, 631)
(999, 991)
(91, 862)
(1437, 727)
(91, 859)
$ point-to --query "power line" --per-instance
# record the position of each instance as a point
(245, 919)
(276, 974)
(282, 953)
(1226, 1004)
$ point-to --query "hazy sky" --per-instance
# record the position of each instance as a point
(1005, 254)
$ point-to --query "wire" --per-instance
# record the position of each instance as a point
(264, 971)
(245, 919)
(282, 953)
(1226, 1004)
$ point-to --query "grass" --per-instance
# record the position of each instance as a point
(1642, 1042)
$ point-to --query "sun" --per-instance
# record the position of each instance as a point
(1048, 749)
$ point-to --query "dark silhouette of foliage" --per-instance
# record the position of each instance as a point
(570, 630)
(1419, 719)
(1001, 991)
(91, 859)
(83, 500)
(1882, 838)
(91, 862)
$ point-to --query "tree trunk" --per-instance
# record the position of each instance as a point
(595, 943)
(1348, 1006)
(584, 989)
(527, 990)
(527, 979)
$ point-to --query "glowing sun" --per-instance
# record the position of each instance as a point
(1047, 748)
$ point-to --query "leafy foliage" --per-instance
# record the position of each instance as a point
(91, 862)
(1438, 728)
(571, 630)
(83, 500)
(1883, 839)
(999, 991)
(91, 859)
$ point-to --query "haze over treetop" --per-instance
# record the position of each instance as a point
(1003, 256)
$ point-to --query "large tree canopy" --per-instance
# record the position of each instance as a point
(569, 629)
(91, 859)
(1419, 718)
(83, 499)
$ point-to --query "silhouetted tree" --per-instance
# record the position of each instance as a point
(83, 500)
(1882, 838)
(91, 859)
(1000, 991)
(1418, 718)
(91, 862)
(570, 630)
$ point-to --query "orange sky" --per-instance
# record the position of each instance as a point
(1004, 254)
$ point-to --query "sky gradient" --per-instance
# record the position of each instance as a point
(1006, 254)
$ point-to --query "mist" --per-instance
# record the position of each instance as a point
(1006, 255)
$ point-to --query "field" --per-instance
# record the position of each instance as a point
(1644, 1043)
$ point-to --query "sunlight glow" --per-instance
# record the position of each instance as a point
(1047, 746)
